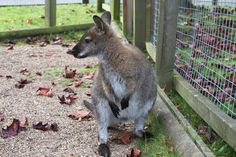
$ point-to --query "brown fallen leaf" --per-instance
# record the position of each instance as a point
(41, 126)
(25, 72)
(30, 21)
(70, 99)
(54, 127)
(13, 129)
(135, 152)
(57, 40)
(69, 90)
(69, 73)
(39, 73)
(45, 91)
(65, 45)
(22, 83)
(69, 51)
(10, 47)
(9, 77)
(1, 117)
(80, 115)
(124, 138)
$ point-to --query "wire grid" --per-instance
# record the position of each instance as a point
(154, 21)
(206, 49)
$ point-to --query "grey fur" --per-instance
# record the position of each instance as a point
(123, 71)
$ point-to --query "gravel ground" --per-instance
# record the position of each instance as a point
(73, 137)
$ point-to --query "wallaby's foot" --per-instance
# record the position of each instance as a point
(144, 134)
(147, 135)
(104, 150)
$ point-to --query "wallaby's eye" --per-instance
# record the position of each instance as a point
(88, 39)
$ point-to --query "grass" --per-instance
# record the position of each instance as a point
(20, 17)
(218, 146)
(160, 145)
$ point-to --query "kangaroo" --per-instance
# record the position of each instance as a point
(125, 83)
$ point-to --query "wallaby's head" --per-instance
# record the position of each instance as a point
(92, 42)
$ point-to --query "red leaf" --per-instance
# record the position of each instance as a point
(135, 152)
(24, 122)
(67, 100)
(77, 83)
(44, 91)
(69, 73)
(57, 40)
(13, 129)
(124, 138)
(89, 76)
(80, 115)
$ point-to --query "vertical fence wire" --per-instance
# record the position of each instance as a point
(154, 22)
(206, 49)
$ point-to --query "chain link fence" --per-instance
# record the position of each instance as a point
(206, 49)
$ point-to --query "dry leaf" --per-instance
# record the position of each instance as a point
(46, 126)
(80, 115)
(44, 91)
(89, 76)
(69, 90)
(13, 129)
(77, 83)
(135, 152)
(1, 117)
(10, 47)
(124, 138)
(9, 77)
(69, 73)
(67, 99)
(24, 122)
(25, 72)
(30, 21)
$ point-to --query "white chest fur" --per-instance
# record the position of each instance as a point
(118, 84)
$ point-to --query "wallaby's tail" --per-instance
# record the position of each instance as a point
(89, 105)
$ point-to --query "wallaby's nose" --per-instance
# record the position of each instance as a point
(75, 51)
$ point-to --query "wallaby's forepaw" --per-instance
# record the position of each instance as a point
(104, 150)
(125, 102)
(114, 108)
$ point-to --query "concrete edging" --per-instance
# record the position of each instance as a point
(182, 141)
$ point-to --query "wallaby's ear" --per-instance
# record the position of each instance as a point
(106, 17)
(99, 23)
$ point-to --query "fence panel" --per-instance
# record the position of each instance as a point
(154, 21)
(206, 49)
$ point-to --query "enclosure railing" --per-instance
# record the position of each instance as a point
(43, 17)
(197, 38)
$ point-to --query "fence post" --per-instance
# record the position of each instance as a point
(115, 9)
(50, 12)
(85, 1)
(167, 26)
(99, 5)
(139, 16)
(128, 19)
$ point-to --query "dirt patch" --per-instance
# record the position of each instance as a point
(73, 137)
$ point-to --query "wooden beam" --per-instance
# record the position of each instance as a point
(167, 26)
(210, 113)
(115, 9)
(139, 16)
(99, 5)
(50, 12)
(41, 31)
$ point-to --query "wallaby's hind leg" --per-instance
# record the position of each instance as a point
(140, 121)
(102, 113)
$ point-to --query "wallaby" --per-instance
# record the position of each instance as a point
(125, 84)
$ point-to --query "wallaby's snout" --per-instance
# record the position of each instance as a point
(76, 51)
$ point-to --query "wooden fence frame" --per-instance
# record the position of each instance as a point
(50, 27)
(164, 55)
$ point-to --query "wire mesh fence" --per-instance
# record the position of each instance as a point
(206, 49)
(154, 21)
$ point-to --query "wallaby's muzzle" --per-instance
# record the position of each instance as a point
(75, 51)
